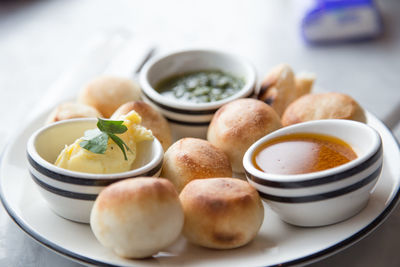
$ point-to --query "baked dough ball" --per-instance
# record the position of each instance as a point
(221, 213)
(137, 217)
(191, 158)
(238, 124)
(303, 83)
(70, 110)
(323, 106)
(151, 119)
(278, 88)
(107, 93)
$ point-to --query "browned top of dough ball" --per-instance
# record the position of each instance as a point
(242, 119)
(238, 124)
(221, 212)
(107, 93)
(70, 110)
(323, 106)
(197, 158)
(151, 119)
(278, 88)
(216, 194)
(143, 191)
(144, 110)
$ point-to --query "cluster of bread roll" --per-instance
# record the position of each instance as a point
(111, 97)
(290, 96)
(99, 98)
(238, 124)
(197, 195)
(213, 209)
(284, 98)
(138, 217)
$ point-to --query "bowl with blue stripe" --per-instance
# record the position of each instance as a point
(188, 119)
(322, 197)
(71, 194)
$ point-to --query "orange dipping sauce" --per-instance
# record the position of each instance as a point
(302, 153)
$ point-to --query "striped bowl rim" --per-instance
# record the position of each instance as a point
(63, 192)
(35, 160)
(372, 178)
(320, 180)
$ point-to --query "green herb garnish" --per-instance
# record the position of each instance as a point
(96, 140)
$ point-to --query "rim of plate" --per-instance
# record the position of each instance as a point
(308, 258)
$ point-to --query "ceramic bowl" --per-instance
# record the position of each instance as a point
(71, 194)
(324, 197)
(192, 119)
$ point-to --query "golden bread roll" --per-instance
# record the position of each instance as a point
(238, 124)
(71, 110)
(323, 106)
(221, 213)
(151, 119)
(192, 158)
(278, 88)
(303, 83)
(137, 217)
(107, 93)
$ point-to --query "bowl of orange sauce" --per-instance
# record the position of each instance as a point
(316, 173)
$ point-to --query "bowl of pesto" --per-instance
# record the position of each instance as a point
(189, 86)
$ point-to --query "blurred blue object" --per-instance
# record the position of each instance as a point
(335, 21)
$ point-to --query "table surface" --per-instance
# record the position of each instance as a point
(42, 40)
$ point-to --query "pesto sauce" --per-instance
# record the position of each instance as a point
(200, 86)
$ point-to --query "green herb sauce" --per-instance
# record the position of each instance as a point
(201, 86)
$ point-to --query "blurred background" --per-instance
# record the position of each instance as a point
(42, 40)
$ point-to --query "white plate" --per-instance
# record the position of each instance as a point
(277, 243)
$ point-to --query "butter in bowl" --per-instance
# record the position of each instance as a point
(70, 177)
